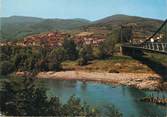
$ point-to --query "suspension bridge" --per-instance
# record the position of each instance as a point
(157, 42)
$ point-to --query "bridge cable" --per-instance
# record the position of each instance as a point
(155, 32)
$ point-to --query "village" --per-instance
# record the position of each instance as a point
(55, 39)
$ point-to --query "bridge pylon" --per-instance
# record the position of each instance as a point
(127, 39)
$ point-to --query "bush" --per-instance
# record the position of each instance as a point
(6, 67)
(53, 66)
(98, 53)
(82, 61)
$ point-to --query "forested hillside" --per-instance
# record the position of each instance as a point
(17, 27)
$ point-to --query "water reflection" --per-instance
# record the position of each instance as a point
(83, 86)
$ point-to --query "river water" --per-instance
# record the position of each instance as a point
(101, 95)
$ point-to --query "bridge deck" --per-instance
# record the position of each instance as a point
(151, 47)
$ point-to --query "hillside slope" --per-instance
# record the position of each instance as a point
(17, 27)
(142, 27)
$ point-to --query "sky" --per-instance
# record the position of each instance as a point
(87, 9)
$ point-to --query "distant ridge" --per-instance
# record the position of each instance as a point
(122, 17)
(17, 27)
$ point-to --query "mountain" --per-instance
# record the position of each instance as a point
(16, 27)
(123, 19)
(142, 27)
(20, 19)
(59, 24)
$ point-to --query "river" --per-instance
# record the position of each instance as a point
(100, 95)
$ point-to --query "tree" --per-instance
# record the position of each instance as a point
(6, 67)
(70, 47)
(22, 98)
(55, 107)
(42, 65)
(98, 53)
(6, 51)
(7, 99)
(76, 108)
(108, 47)
(55, 58)
(19, 60)
(112, 111)
(3, 57)
(85, 54)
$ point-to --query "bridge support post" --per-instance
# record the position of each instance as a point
(163, 47)
(158, 47)
(153, 46)
(149, 46)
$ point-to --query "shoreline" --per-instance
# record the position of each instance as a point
(144, 81)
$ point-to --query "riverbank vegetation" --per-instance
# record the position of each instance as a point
(67, 57)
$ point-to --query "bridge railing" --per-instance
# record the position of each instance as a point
(154, 46)
(158, 47)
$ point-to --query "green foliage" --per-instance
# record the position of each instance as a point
(3, 57)
(108, 47)
(32, 59)
(98, 53)
(6, 67)
(57, 54)
(70, 46)
(82, 61)
(113, 112)
(5, 52)
(116, 35)
(19, 60)
(76, 108)
(42, 65)
(23, 98)
(55, 58)
(85, 54)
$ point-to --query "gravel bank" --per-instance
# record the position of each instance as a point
(137, 80)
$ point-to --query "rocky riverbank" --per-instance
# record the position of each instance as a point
(155, 100)
(138, 80)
